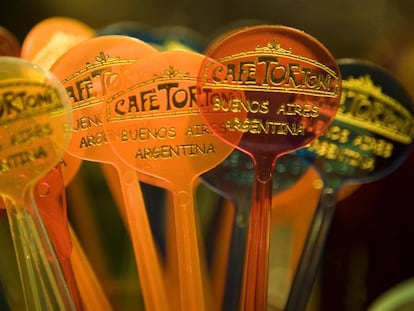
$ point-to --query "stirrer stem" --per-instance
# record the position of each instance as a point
(308, 266)
(146, 255)
(189, 263)
(255, 285)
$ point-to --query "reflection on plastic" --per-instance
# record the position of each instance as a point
(275, 89)
(370, 137)
(87, 71)
(34, 135)
(153, 122)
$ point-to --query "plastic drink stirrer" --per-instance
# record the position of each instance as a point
(44, 44)
(154, 124)
(90, 290)
(233, 179)
(9, 44)
(35, 129)
(370, 137)
(53, 36)
(291, 88)
(86, 71)
(51, 200)
(49, 196)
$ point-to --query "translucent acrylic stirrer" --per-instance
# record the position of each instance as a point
(87, 71)
(90, 290)
(233, 179)
(43, 44)
(154, 124)
(9, 44)
(291, 87)
(53, 36)
(48, 40)
(76, 268)
(35, 130)
(49, 196)
(369, 138)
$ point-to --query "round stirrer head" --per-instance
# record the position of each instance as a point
(35, 123)
(153, 119)
(9, 44)
(86, 71)
(53, 36)
(372, 132)
(275, 88)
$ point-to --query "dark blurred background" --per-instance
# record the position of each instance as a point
(378, 30)
(371, 243)
(348, 28)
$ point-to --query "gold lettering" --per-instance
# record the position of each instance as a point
(344, 156)
(237, 105)
(336, 133)
(198, 130)
(168, 151)
(377, 146)
(378, 114)
(272, 71)
(257, 126)
(293, 109)
(143, 133)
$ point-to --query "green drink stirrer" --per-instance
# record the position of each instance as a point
(369, 138)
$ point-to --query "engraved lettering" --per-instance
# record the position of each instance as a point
(171, 95)
(168, 152)
(267, 69)
(26, 135)
(258, 126)
(345, 155)
(304, 110)
(90, 140)
(22, 158)
(238, 105)
(364, 105)
(86, 122)
(143, 134)
(198, 130)
(24, 99)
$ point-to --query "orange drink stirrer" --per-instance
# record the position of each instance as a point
(78, 272)
(90, 290)
(153, 122)
(47, 41)
(51, 199)
(86, 71)
(53, 36)
(49, 196)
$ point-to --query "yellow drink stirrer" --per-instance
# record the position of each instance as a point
(34, 129)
